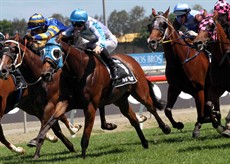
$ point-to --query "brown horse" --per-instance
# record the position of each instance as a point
(30, 100)
(40, 96)
(213, 37)
(85, 84)
(186, 69)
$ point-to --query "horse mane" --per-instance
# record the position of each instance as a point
(222, 37)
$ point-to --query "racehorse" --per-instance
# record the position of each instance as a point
(10, 98)
(212, 36)
(186, 70)
(85, 83)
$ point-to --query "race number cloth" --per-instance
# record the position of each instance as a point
(129, 79)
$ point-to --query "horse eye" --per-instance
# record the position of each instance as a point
(57, 54)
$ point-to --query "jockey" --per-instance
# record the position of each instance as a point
(99, 37)
(222, 10)
(186, 20)
(41, 30)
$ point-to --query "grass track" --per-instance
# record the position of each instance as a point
(124, 147)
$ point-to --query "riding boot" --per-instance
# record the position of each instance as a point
(20, 82)
(116, 71)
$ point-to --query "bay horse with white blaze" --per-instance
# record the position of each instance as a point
(85, 84)
(186, 70)
(212, 36)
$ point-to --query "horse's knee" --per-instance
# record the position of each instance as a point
(168, 112)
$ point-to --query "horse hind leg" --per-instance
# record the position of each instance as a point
(73, 129)
(104, 124)
(145, 95)
(127, 111)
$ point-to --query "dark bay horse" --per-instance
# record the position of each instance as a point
(85, 84)
(213, 37)
(186, 70)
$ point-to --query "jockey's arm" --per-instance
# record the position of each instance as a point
(50, 33)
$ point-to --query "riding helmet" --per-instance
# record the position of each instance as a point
(79, 15)
(36, 21)
(222, 7)
(181, 9)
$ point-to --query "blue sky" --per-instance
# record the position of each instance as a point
(10, 9)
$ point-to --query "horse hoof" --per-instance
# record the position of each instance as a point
(145, 144)
(166, 129)
(226, 133)
(220, 129)
(109, 126)
(179, 126)
(32, 143)
(196, 134)
(141, 118)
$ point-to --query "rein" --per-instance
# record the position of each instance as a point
(22, 57)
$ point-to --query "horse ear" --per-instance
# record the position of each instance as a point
(59, 38)
(215, 15)
(166, 13)
(7, 36)
(154, 12)
(205, 14)
(17, 37)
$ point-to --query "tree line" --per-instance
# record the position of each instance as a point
(119, 22)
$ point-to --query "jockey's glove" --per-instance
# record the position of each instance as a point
(28, 37)
(97, 49)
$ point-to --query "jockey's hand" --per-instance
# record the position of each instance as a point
(28, 37)
(97, 50)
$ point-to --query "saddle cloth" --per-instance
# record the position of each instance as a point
(129, 79)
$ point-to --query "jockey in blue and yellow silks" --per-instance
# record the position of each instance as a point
(44, 28)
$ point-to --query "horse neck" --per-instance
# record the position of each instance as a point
(222, 37)
(176, 46)
(32, 62)
(75, 60)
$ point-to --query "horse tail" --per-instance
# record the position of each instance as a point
(159, 104)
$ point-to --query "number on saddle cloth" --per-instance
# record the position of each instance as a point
(53, 51)
(129, 79)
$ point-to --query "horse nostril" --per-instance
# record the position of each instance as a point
(47, 76)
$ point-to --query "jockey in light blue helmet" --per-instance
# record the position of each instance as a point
(101, 39)
(78, 16)
(185, 17)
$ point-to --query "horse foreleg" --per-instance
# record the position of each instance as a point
(226, 132)
(172, 95)
(199, 100)
(90, 114)
(58, 132)
(60, 110)
(104, 124)
(10, 146)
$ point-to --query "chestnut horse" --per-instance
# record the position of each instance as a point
(186, 70)
(212, 36)
(85, 84)
(32, 100)
(39, 99)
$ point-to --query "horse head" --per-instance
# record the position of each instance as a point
(158, 29)
(52, 59)
(11, 56)
(206, 33)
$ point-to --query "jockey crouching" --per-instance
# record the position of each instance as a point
(40, 31)
(186, 21)
(100, 38)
